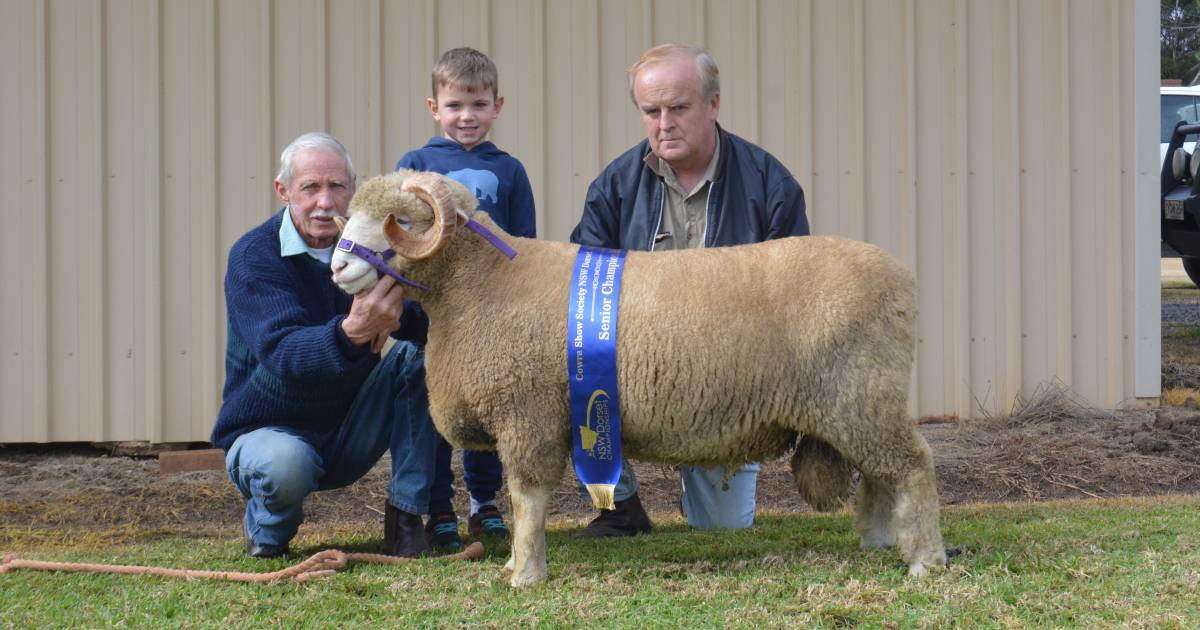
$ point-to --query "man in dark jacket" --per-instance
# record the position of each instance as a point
(690, 184)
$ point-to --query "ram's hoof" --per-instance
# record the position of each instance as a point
(527, 579)
(932, 560)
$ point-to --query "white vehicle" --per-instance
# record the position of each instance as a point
(1177, 104)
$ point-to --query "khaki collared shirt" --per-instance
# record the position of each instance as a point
(685, 213)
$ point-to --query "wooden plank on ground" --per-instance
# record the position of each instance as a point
(188, 461)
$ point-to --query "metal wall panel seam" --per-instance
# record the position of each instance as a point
(982, 230)
(648, 32)
(910, 188)
(597, 83)
(1101, 315)
(270, 98)
(1028, 182)
(433, 16)
(323, 76)
(1062, 255)
(847, 158)
(1011, 301)
(153, 417)
(545, 223)
(855, 180)
(374, 71)
(112, 123)
(545, 35)
(539, 130)
(1147, 319)
(1084, 219)
(804, 66)
(961, 220)
(1115, 280)
(485, 26)
(123, 35)
(100, 381)
(42, 409)
(212, 254)
(33, 376)
(754, 91)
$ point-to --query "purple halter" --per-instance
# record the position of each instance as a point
(491, 238)
(378, 260)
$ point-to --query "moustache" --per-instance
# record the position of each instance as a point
(324, 214)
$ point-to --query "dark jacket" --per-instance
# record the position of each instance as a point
(753, 198)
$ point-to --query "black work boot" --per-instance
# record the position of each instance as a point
(628, 519)
(404, 534)
(256, 550)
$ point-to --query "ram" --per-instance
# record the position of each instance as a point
(725, 356)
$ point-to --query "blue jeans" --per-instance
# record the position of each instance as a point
(708, 501)
(275, 468)
(481, 471)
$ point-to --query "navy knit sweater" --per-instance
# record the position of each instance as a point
(287, 360)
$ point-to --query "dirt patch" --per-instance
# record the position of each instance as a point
(1052, 446)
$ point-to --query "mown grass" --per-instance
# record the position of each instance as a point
(1109, 563)
(1179, 289)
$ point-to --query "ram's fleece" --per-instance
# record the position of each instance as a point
(726, 355)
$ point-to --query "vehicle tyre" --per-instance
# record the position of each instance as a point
(1191, 265)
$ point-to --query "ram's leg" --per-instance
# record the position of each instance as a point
(528, 561)
(915, 515)
(873, 513)
(533, 459)
(898, 501)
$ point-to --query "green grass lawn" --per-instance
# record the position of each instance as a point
(1109, 563)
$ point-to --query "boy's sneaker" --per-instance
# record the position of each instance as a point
(442, 531)
(488, 522)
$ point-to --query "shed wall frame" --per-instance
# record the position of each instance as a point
(1002, 149)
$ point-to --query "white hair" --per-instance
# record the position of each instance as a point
(311, 140)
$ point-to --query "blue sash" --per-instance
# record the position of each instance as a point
(592, 371)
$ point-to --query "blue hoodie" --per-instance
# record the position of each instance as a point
(497, 179)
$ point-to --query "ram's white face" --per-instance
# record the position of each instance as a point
(351, 273)
(417, 237)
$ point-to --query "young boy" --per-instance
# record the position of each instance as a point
(465, 103)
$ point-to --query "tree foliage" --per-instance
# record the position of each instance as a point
(1180, 33)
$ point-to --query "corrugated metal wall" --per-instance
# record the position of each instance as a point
(999, 148)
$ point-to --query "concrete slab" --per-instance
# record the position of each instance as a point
(1172, 269)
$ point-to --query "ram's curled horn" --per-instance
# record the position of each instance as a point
(340, 222)
(429, 188)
